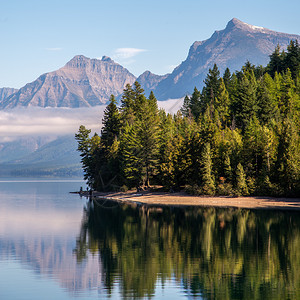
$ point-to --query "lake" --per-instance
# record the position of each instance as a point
(56, 245)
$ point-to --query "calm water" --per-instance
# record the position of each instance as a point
(55, 245)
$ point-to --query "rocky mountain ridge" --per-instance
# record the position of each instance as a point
(232, 47)
(6, 92)
(81, 82)
(89, 82)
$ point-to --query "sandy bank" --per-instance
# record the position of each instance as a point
(182, 199)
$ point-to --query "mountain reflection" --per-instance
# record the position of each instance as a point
(44, 241)
(212, 253)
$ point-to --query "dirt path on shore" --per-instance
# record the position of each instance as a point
(182, 199)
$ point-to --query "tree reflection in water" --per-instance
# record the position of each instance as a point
(212, 252)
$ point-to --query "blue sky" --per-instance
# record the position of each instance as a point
(41, 36)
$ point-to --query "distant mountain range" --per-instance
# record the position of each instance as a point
(89, 82)
(51, 156)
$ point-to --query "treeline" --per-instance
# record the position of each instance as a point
(238, 136)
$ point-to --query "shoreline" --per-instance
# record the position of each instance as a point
(183, 199)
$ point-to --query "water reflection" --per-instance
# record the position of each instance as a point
(212, 253)
(39, 223)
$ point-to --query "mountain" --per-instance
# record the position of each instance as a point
(149, 81)
(6, 92)
(18, 148)
(81, 82)
(88, 82)
(58, 157)
(230, 47)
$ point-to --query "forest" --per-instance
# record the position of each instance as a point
(239, 136)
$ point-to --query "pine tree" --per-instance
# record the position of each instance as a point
(292, 58)
(241, 185)
(107, 157)
(168, 151)
(276, 62)
(130, 156)
(289, 99)
(84, 147)
(139, 147)
(245, 106)
(148, 134)
(252, 148)
(266, 99)
(186, 107)
(288, 157)
(222, 103)
(127, 105)
(227, 168)
(212, 87)
(227, 78)
(207, 179)
(111, 124)
(195, 104)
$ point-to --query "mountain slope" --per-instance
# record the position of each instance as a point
(149, 81)
(16, 149)
(58, 157)
(6, 92)
(81, 82)
(230, 47)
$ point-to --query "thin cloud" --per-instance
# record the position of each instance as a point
(21, 122)
(126, 53)
(35, 121)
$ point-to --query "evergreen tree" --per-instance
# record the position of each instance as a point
(289, 99)
(107, 155)
(266, 100)
(84, 147)
(195, 104)
(111, 124)
(227, 77)
(186, 107)
(127, 105)
(212, 87)
(148, 135)
(227, 168)
(207, 179)
(245, 104)
(288, 158)
(252, 148)
(241, 185)
(168, 150)
(130, 156)
(222, 103)
(276, 62)
(292, 58)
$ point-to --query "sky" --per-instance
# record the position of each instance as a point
(41, 36)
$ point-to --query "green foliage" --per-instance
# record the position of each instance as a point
(240, 135)
(281, 61)
(111, 124)
(241, 185)
(207, 180)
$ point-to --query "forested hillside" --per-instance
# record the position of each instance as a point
(238, 136)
